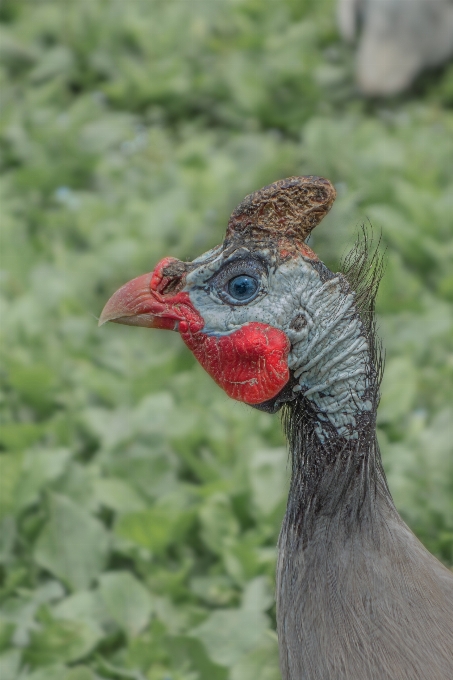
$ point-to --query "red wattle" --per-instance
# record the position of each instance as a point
(250, 364)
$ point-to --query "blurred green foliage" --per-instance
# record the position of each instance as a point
(140, 507)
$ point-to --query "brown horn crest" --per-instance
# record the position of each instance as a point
(287, 210)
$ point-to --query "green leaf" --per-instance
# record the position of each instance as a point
(79, 673)
(85, 605)
(117, 495)
(127, 600)
(149, 419)
(17, 436)
(258, 595)
(262, 662)
(35, 383)
(398, 390)
(9, 664)
(73, 545)
(61, 640)
(230, 633)
(57, 61)
(53, 672)
(244, 560)
(268, 478)
(22, 610)
(6, 633)
(40, 467)
(215, 590)
(184, 649)
(155, 528)
(10, 474)
(219, 526)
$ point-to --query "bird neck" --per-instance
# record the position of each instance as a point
(335, 483)
(332, 362)
(337, 475)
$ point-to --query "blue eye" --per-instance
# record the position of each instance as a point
(242, 287)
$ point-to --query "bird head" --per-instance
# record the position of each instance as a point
(247, 308)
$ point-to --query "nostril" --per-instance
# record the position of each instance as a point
(175, 268)
(171, 286)
(167, 276)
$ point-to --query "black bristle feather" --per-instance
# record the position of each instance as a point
(339, 478)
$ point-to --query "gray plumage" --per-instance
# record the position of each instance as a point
(363, 599)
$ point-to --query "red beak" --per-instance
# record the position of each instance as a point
(144, 302)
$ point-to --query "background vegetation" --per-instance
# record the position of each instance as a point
(140, 507)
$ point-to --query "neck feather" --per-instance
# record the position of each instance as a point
(337, 475)
(335, 483)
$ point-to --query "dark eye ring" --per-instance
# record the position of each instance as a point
(239, 281)
(242, 287)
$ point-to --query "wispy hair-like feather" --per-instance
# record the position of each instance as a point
(339, 473)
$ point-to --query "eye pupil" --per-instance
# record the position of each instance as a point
(242, 287)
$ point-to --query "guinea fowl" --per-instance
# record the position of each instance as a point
(358, 596)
